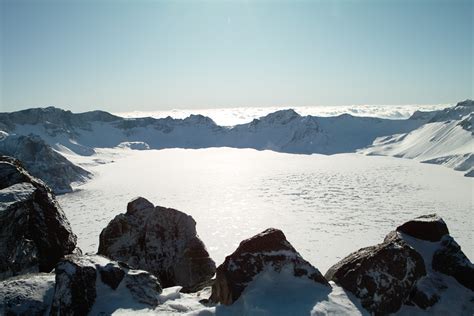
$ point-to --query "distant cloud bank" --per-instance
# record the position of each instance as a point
(240, 115)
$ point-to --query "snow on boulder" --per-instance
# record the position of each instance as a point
(427, 227)
(28, 295)
(160, 240)
(35, 232)
(267, 251)
(417, 266)
(381, 276)
(93, 284)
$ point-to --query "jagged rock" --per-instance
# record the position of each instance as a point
(381, 276)
(426, 292)
(35, 232)
(75, 290)
(143, 287)
(160, 240)
(112, 274)
(451, 260)
(267, 250)
(43, 162)
(27, 295)
(77, 285)
(427, 227)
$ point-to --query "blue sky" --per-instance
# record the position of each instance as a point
(152, 55)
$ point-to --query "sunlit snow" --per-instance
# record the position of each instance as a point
(328, 206)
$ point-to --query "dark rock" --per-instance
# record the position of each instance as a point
(425, 293)
(112, 274)
(427, 227)
(35, 232)
(451, 260)
(77, 288)
(269, 249)
(27, 295)
(160, 240)
(143, 287)
(381, 276)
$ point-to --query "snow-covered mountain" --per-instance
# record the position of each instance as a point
(42, 161)
(447, 139)
(443, 137)
(283, 131)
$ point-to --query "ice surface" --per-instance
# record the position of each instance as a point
(327, 206)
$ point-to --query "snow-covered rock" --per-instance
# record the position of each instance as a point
(381, 276)
(266, 251)
(43, 162)
(160, 240)
(450, 260)
(27, 295)
(414, 268)
(35, 232)
(94, 284)
(447, 139)
(134, 145)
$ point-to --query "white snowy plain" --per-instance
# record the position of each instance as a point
(328, 207)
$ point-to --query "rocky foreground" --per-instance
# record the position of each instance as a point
(150, 248)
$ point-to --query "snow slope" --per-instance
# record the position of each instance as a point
(42, 161)
(441, 137)
(447, 139)
(283, 131)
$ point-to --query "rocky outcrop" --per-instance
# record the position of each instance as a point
(427, 227)
(409, 268)
(451, 260)
(381, 276)
(160, 240)
(267, 250)
(43, 162)
(35, 232)
(79, 282)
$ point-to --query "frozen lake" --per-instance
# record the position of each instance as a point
(328, 206)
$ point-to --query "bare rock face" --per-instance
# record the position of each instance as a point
(80, 283)
(382, 276)
(267, 250)
(160, 240)
(451, 260)
(427, 227)
(35, 232)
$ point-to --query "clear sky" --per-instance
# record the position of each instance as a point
(152, 55)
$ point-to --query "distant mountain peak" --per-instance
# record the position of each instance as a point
(281, 116)
(467, 102)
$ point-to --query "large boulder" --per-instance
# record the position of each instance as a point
(160, 240)
(267, 250)
(426, 227)
(412, 267)
(84, 283)
(381, 276)
(35, 232)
